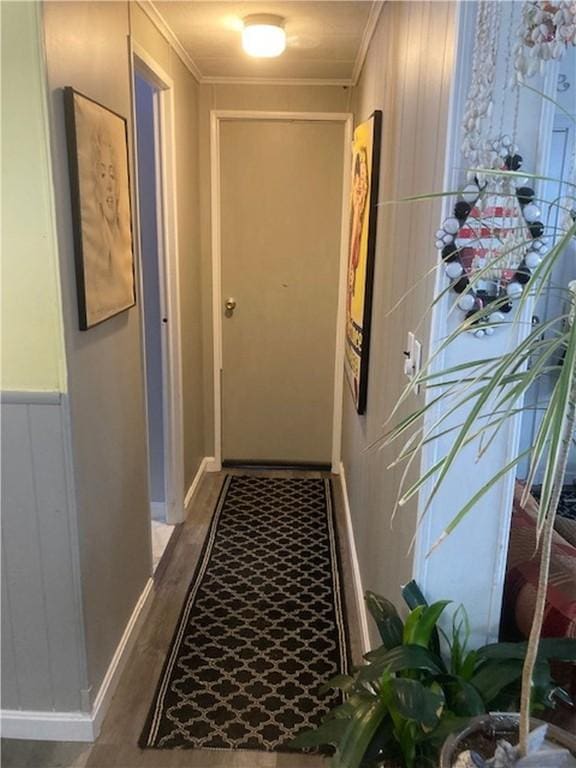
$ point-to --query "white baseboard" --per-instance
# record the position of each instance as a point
(358, 589)
(46, 726)
(80, 726)
(196, 482)
(212, 465)
(112, 676)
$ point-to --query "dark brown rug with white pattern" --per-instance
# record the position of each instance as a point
(262, 626)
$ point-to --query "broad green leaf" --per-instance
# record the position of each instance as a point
(413, 595)
(384, 613)
(401, 658)
(343, 682)
(462, 698)
(491, 678)
(416, 702)
(329, 732)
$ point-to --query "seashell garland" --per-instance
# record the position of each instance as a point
(494, 233)
(546, 31)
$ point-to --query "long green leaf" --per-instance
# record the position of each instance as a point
(562, 648)
(359, 734)
(426, 623)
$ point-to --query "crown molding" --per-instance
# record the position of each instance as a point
(149, 8)
(275, 81)
(369, 30)
(166, 31)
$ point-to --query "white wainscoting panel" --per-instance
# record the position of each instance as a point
(42, 655)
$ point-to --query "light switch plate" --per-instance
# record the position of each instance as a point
(413, 356)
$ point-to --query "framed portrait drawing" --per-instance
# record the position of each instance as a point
(363, 211)
(100, 190)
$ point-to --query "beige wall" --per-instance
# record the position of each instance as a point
(87, 48)
(244, 97)
(406, 74)
(32, 338)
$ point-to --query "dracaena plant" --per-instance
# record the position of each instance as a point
(401, 704)
(491, 391)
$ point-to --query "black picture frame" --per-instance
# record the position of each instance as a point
(367, 137)
(99, 171)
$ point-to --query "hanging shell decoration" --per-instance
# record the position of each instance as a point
(546, 31)
(491, 244)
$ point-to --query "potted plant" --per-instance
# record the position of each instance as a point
(494, 390)
(408, 696)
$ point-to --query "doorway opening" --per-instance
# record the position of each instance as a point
(149, 216)
(159, 304)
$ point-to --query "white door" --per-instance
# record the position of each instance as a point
(281, 200)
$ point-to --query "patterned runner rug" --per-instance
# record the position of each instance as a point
(262, 626)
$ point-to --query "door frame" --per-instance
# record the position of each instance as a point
(168, 269)
(217, 116)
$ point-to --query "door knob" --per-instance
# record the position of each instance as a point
(230, 304)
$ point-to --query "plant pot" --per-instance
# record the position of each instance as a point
(494, 726)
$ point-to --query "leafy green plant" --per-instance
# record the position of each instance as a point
(420, 684)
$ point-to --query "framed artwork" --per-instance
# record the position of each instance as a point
(363, 211)
(100, 190)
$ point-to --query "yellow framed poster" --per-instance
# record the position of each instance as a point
(363, 212)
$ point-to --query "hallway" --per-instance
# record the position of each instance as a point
(116, 746)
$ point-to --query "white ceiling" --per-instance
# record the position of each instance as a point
(327, 39)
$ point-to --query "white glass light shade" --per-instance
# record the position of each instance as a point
(263, 36)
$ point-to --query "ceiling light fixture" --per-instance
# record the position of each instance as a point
(263, 35)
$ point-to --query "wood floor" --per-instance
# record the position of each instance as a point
(116, 746)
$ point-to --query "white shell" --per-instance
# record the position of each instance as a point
(543, 250)
(514, 290)
(454, 270)
(447, 239)
(467, 302)
(439, 244)
(440, 234)
(506, 141)
(451, 225)
(470, 193)
(489, 331)
(532, 259)
(531, 212)
(479, 333)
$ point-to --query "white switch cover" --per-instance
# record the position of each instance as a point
(413, 356)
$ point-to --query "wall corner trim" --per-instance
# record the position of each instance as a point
(148, 7)
(80, 726)
(212, 465)
(358, 589)
(203, 467)
(121, 654)
(369, 30)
